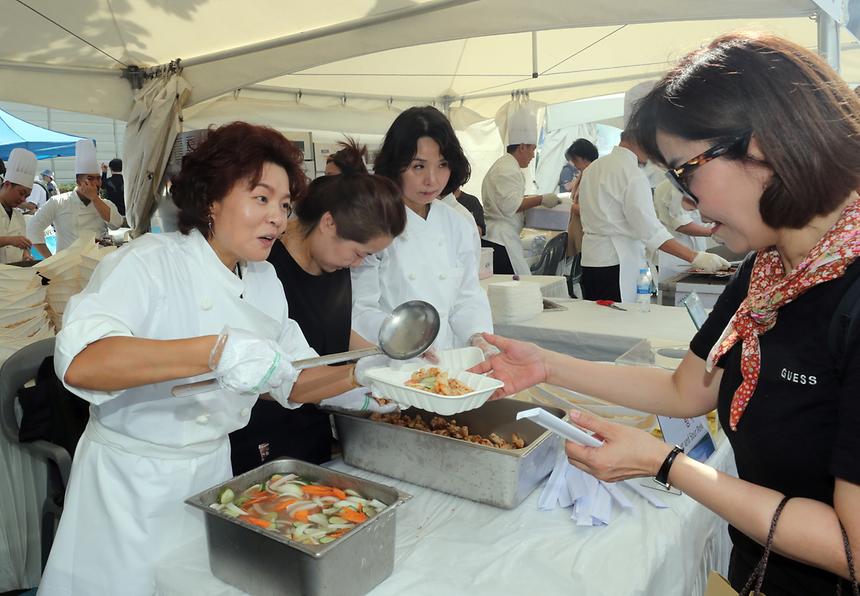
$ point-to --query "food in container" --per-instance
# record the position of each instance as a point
(448, 427)
(438, 381)
(482, 473)
(259, 561)
(390, 383)
(301, 510)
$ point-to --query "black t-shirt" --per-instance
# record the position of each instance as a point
(474, 206)
(801, 428)
(322, 306)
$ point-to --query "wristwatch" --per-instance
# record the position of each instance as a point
(662, 477)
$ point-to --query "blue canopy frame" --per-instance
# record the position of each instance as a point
(45, 143)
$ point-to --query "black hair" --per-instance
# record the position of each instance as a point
(401, 143)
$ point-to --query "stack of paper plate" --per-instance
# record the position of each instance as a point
(68, 272)
(514, 301)
(23, 318)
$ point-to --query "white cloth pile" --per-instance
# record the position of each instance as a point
(514, 301)
(591, 499)
(68, 272)
(23, 315)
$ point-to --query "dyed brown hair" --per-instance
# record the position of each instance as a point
(229, 155)
(804, 117)
(350, 158)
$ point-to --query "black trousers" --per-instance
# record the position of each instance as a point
(601, 283)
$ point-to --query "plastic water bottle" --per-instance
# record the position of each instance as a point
(643, 290)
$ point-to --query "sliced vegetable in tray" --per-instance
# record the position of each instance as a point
(302, 511)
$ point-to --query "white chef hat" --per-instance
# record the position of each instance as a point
(517, 122)
(21, 167)
(85, 157)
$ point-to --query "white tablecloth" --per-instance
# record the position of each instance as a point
(449, 545)
(588, 330)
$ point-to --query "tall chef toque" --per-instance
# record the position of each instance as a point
(517, 122)
(522, 127)
(21, 167)
(85, 157)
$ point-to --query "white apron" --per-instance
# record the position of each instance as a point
(631, 258)
(508, 235)
(124, 506)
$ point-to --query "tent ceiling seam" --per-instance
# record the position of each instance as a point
(70, 32)
(578, 52)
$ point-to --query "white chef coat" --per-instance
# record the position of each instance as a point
(71, 218)
(38, 195)
(670, 211)
(144, 451)
(618, 218)
(12, 226)
(435, 260)
(502, 192)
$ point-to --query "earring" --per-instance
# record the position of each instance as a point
(211, 232)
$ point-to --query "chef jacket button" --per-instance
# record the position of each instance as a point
(202, 419)
(206, 304)
(443, 276)
(411, 276)
(245, 411)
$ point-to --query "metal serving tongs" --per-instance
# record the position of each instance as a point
(407, 332)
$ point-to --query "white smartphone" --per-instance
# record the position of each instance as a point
(564, 429)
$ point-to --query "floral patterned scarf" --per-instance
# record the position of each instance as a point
(770, 289)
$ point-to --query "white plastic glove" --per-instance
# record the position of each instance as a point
(549, 200)
(246, 363)
(360, 401)
(709, 262)
(478, 341)
(363, 365)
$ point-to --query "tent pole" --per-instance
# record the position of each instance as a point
(828, 39)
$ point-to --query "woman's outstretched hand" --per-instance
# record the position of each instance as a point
(519, 365)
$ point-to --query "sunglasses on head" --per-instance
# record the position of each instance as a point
(680, 176)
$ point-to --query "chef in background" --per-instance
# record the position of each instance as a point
(79, 212)
(619, 224)
(686, 226)
(14, 244)
(436, 257)
(504, 186)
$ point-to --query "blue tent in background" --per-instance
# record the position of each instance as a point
(45, 143)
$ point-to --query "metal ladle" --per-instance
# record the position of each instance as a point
(407, 332)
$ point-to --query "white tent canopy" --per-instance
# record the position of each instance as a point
(362, 55)
(351, 66)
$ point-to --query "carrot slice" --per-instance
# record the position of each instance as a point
(283, 504)
(318, 490)
(256, 521)
(302, 515)
(338, 493)
(352, 515)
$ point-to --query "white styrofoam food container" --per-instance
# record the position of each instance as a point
(390, 383)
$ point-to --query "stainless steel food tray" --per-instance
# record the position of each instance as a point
(261, 563)
(499, 477)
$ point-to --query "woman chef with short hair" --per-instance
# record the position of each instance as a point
(165, 308)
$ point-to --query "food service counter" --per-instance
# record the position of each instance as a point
(593, 332)
(449, 545)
